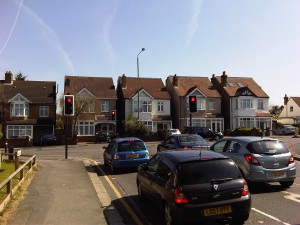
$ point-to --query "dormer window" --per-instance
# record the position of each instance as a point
(19, 109)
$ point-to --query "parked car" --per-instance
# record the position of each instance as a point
(48, 139)
(102, 137)
(174, 131)
(183, 141)
(204, 132)
(126, 152)
(260, 159)
(191, 186)
(285, 129)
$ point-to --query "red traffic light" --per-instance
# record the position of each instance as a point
(193, 99)
(69, 100)
(113, 112)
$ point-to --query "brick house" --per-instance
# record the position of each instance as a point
(244, 102)
(291, 111)
(95, 98)
(208, 102)
(28, 109)
(146, 99)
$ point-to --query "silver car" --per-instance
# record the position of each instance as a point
(259, 159)
(285, 129)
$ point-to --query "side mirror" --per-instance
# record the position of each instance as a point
(142, 167)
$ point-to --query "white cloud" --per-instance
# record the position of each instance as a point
(194, 22)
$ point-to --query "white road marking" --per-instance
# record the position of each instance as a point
(271, 217)
(291, 196)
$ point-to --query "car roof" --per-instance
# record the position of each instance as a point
(117, 140)
(183, 135)
(250, 138)
(191, 155)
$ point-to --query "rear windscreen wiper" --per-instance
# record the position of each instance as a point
(217, 181)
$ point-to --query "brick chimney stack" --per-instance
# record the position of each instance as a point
(8, 77)
(224, 79)
(175, 81)
(124, 84)
(285, 99)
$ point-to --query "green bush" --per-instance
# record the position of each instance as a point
(243, 131)
(162, 134)
(135, 128)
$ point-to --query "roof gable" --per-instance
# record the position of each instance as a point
(99, 87)
(18, 98)
(153, 86)
(296, 100)
(187, 84)
(85, 93)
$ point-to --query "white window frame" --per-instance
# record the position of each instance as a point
(85, 128)
(104, 106)
(160, 106)
(211, 105)
(201, 104)
(260, 104)
(148, 124)
(246, 103)
(19, 130)
(19, 109)
(44, 111)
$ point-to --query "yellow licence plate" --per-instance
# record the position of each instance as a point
(132, 156)
(277, 174)
(217, 211)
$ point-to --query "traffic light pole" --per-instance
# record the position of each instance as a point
(190, 122)
(66, 138)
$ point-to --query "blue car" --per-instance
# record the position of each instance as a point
(127, 152)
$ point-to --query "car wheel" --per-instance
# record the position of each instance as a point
(140, 192)
(169, 218)
(113, 169)
(286, 184)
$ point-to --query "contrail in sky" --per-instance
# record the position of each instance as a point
(12, 29)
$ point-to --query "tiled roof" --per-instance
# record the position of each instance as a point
(187, 84)
(246, 82)
(263, 114)
(100, 87)
(297, 100)
(154, 86)
(34, 91)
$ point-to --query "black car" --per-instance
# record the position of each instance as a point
(48, 139)
(183, 141)
(204, 132)
(102, 137)
(192, 186)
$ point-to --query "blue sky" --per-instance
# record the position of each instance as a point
(46, 40)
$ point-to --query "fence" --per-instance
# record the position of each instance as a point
(8, 182)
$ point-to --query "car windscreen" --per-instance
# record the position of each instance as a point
(190, 139)
(269, 147)
(131, 145)
(213, 171)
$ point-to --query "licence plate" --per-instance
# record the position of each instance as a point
(132, 156)
(277, 174)
(217, 211)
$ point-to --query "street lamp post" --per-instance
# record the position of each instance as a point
(138, 76)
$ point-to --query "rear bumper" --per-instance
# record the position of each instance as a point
(190, 213)
(129, 163)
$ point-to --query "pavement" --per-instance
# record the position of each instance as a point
(69, 192)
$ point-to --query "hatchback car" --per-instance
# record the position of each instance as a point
(48, 139)
(125, 152)
(102, 137)
(204, 132)
(193, 186)
(285, 129)
(183, 141)
(260, 159)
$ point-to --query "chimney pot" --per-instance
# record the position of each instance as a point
(124, 85)
(175, 81)
(285, 99)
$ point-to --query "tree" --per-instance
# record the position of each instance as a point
(135, 128)
(275, 110)
(20, 76)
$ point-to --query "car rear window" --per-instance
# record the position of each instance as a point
(131, 145)
(267, 147)
(190, 139)
(208, 171)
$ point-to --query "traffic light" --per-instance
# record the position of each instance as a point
(113, 114)
(193, 104)
(69, 105)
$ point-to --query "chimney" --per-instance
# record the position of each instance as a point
(8, 77)
(224, 79)
(124, 85)
(213, 79)
(175, 81)
(285, 99)
(67, 82)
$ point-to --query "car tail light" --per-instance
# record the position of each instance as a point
(251, 159)
(291, 159)
(179, 197)
(185, 147)
(147, 154)
(116, 156)
(245, 190)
